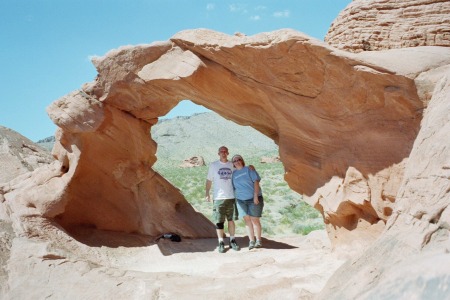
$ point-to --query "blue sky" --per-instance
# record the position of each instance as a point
(47, 44)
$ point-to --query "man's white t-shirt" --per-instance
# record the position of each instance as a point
(219, 174)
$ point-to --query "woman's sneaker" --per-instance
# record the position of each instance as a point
(258, 244)
(251, 245)
(234, 245)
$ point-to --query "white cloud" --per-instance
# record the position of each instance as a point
(238, 8)
(255, 18)
(282, 14)
(260, 7)
(210, 6)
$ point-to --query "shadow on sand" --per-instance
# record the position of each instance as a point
(112, 239)
(168, 247)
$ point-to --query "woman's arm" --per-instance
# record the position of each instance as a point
(256, 192)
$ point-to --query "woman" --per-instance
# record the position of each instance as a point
(249, 199)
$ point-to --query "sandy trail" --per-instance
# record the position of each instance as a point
(287, 267)
(95, 264)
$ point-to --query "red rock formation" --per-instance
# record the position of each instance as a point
(411, 256)
(380, 24)
(315, 103)
(340, 121)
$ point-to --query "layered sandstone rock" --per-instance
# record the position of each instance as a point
(410, 259)
(380, 24)
(339, 119)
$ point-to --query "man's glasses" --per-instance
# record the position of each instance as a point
(237, 159)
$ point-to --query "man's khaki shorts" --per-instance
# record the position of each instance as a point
(224, 209)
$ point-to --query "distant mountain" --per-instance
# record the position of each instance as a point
(47, 143)
(201, 135)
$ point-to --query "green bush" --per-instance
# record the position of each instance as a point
(304, 229)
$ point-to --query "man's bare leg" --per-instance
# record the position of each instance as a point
(231, 228)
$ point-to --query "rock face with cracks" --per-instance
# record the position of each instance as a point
(379, 24)
(411, 258)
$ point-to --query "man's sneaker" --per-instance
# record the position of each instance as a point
(251, 245)
(258, 244)
(221, 247)
(234, 245)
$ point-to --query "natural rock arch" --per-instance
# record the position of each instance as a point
(102, 177)
(337, 119)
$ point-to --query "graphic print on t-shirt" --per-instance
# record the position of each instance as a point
(225, 173)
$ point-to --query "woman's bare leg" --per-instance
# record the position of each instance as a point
(249, 227)
(256, 227)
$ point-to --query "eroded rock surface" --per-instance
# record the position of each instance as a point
(337, 117)
(411, 257)
(380, 24)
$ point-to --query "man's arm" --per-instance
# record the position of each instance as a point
(207, 188)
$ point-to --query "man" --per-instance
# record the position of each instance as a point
(219, 174)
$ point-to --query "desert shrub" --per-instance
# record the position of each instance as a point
(298, 211)
(304, 229)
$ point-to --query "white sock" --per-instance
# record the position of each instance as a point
(231, 237)
(220, 240)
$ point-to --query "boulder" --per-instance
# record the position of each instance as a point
(194, 161)
(270, 160)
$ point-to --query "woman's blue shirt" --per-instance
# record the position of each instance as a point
(243, 180)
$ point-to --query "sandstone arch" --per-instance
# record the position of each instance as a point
(279, 76)
(338, 119)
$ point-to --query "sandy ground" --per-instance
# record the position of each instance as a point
(286, 267)
(93, 264)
